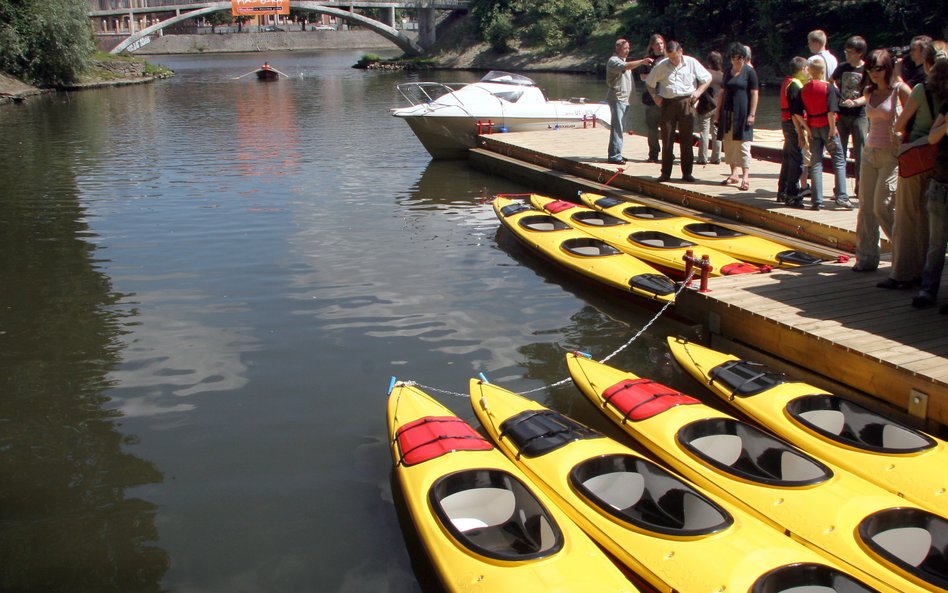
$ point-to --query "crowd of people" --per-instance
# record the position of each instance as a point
(888, 111)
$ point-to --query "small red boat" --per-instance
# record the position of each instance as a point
(266, 73)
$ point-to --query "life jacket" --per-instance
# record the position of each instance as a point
(815, 96)
(784, 99)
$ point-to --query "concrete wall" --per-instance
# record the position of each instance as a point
(249, 42)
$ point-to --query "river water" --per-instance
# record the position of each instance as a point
(205, 286)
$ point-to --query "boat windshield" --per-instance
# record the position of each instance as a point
(500, 77)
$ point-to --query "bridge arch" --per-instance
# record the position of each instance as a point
(405, 43)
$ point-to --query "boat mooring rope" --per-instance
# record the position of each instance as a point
(628, 343)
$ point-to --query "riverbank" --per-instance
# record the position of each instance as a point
(102, 73)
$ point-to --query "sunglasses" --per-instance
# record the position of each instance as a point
(877, 69)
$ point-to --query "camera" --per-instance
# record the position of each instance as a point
(899, 51)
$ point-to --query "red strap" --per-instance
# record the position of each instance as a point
(639, 399)
(558, 206)
(433, 436)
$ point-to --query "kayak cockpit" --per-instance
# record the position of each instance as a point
(542, 223)
(712, 231)
(593, 218)
(659, 240)
(850, 424)
(808, 578)
(741, 450)
(912, 539)
(588, 247)
(639, 492)
(493, 514)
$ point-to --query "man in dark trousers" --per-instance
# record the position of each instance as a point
(682, 79)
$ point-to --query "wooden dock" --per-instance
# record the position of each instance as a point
(825, 321)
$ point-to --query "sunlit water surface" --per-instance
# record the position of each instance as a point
(207, 283)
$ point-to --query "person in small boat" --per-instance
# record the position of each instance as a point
(266, 66)
(621, 89)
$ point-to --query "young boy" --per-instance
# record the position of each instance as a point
(852, 121)
(819, 100)
(791, 167)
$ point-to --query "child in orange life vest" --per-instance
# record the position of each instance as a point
(819, 100)
(791, 166)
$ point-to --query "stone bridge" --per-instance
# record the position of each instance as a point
(341, 10)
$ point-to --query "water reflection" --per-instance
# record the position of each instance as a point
(67, 521)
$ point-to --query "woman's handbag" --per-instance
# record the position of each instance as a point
(917, 158)
(707, 102)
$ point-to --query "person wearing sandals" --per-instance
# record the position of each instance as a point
(819, 100)
(937, 194)
(882, 98)
(737, 114)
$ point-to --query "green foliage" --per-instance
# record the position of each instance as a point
(552, 25)
(46, 42)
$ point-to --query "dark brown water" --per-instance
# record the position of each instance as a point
(205, 286)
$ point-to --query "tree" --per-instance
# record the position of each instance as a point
(45, 42)
(221, 17)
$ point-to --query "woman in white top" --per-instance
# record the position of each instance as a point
(883, 97)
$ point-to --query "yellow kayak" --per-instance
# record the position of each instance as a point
(900, 459)
(673, 535)
(485, 527)
(878, 537)
(735, 243)
(581, 252)
(661, 249)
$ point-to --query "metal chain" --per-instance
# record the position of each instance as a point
(631, 340)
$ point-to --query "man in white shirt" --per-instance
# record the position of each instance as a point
(682, 79)
(817, 40)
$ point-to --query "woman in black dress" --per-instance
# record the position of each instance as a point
(737, 114)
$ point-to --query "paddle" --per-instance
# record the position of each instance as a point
(278, 72)
(247, 74)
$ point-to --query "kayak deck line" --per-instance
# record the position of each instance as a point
(823, 322)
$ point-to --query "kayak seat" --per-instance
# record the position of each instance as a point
(659, 240)
(542, 223)
(913, 539)
(808, 578)
(493, 514)
(741, 450)
(639, 492)
(846, 422)
(593, 218)
(538, 432)
(647, 213)
(587, 247)
(712, 231)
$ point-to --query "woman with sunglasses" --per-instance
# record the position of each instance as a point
(738, 111)
(883, 97)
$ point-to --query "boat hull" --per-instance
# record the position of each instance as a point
(822, 506)
(916, 472)
(264, 75)
(714, 547)
(663, 251)
(428, 470)
(581, 253)
(737, 244)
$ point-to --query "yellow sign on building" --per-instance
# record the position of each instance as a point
(258, 7)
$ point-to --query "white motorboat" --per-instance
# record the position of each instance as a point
(448, 117)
